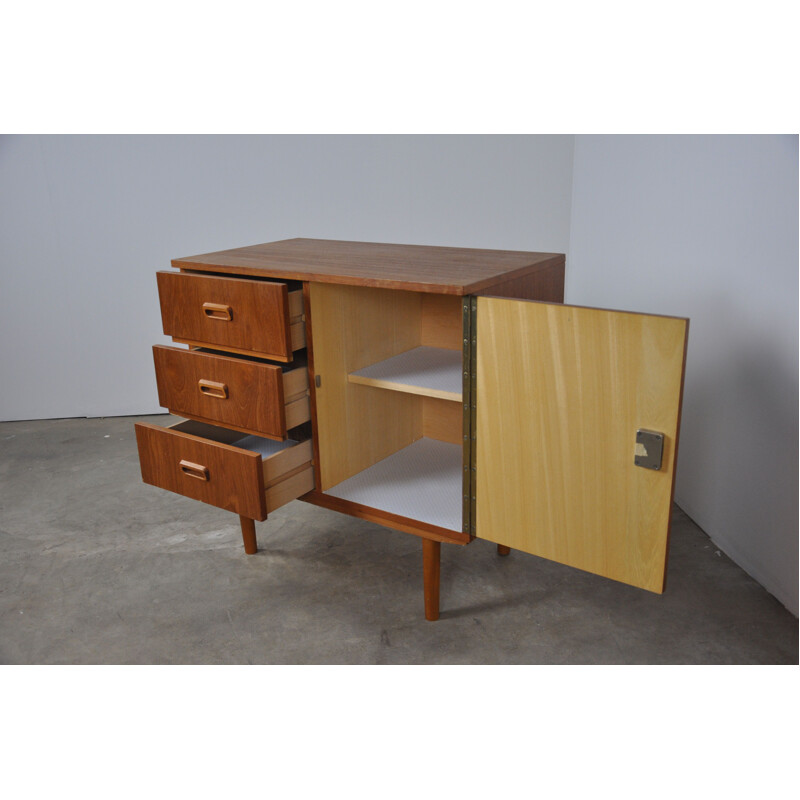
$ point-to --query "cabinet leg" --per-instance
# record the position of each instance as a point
(503, 550)
(431, 552)
(249, 535)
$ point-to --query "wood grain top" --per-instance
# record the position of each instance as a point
(442, 270)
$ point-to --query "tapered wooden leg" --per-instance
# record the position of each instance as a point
(431, 552)
(249, 535)
(502, 550)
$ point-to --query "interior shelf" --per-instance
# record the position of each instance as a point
(423, 481)
(429, 371)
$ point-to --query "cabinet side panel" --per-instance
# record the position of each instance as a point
(545, 284)
(357, 425)
(561, 392)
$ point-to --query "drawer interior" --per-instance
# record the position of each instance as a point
(287, 465)
(266, 448)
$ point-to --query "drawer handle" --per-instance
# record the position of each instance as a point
(217, 311)
(213, 389)
(194, 470)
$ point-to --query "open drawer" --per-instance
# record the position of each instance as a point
(251, 396)
(244, 316)
(249, 475)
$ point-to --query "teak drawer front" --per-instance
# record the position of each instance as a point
(247, 316)
(252, 397)
(218, 474)
(198, 461)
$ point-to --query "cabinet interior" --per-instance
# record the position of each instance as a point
(390, 436)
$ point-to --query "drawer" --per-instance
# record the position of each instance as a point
(244, 316)
(245, 474)
(251, 396)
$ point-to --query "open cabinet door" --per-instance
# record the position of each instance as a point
(561, 393)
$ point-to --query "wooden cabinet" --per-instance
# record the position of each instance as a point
(444, 392)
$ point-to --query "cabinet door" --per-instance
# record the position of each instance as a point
(561, 392)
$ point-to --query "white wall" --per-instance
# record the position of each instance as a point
(706, 227)
(86, 221)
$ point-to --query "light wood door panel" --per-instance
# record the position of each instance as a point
(561, 392)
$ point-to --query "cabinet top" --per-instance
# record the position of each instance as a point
(443, 270)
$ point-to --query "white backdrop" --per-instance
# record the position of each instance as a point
(85, 222)
(706, 227)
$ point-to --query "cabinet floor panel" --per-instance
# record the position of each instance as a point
(422, 482)
(429, 371)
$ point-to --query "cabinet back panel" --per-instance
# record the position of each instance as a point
(442, 324)
(442, 420)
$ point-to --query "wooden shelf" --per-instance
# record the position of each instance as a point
(423, 481)
(429, 371)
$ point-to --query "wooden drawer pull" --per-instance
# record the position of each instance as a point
(213, 389)
(217, 311)
(194, 470)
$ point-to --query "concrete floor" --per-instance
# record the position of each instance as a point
(96, 567)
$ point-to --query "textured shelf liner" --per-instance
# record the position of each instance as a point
(422, 481)
(427, 367)
(267, 447)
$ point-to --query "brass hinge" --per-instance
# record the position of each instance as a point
(473, 394)
(466, 389)
(469, 379)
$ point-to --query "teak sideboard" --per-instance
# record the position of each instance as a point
(444, 392)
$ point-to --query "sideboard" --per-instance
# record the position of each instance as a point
(445, 392)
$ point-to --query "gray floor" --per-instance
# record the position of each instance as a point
(96, 567)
